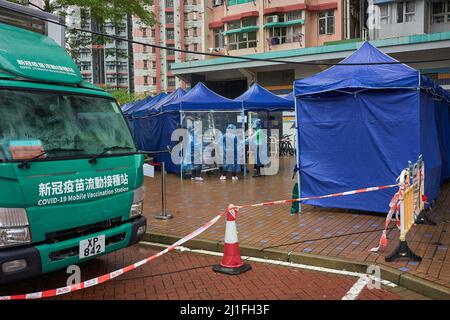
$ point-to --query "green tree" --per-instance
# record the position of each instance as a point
(123, 96)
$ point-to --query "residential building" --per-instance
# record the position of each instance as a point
(108, 64)
(313, 31)
(179, 25)
(412, 18)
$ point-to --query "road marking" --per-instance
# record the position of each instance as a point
(280, 263)
(356, 289)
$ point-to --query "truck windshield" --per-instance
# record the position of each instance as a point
(33, 122)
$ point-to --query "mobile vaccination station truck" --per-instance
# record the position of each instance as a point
(71, 178)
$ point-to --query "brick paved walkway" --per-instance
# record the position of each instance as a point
(194, 203)
(189, 276)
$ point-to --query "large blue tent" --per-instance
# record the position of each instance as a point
(359, 125)
(257, 98)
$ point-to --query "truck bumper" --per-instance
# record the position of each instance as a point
(41, 259)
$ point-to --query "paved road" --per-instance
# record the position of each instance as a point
(189, 275)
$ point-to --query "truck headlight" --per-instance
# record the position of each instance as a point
(138, 202)
(14, 227)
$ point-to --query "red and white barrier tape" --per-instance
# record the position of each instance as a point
(233, 209)
(104, 278)
(346, 193)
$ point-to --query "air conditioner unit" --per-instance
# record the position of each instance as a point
(211, 50)
(272, 19)
(218, 3)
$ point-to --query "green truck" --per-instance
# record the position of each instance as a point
(71, 178)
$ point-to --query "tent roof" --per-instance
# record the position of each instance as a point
(377, 76)
(136, 104)
(257, 98)
(177, 94)
(200, 98)
(140, 109)
(289, 96)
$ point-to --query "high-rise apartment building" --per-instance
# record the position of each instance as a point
(179, 24)
(110, 63)
(314, 31)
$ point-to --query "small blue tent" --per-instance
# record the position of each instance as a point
(257, 98)
(359, 125)
(137, 104)
(200, 98)
(153, 132)
(143, 108)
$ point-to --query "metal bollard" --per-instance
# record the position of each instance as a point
(163, 215)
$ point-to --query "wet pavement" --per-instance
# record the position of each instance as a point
(189, 276)
(327, 232)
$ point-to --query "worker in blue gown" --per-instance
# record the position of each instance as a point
(230, 154)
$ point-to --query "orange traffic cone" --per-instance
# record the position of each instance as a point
(231, 262)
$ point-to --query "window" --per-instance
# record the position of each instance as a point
(153, 49)
(384, 14)
(410, 11)
(218, 38)
(399, 12)
(85, 123)
(233, 25)
(153, 33)
(154, 81)
(326, 22)
(169, 3)
(406, 11)
(144, 49)
(170, 52)
(169, 17)
(242, 40)
(144, 32)
(294, 15)
(171, 81)
(248, 22)
(185, 17)
(440, 12)
(194, 2)
(195, 32)
(153, 64)
(146, 80)
(170, 34)
(145, 64)
(195, 47)
(277, 35)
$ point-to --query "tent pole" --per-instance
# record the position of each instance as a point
(243, 139)
(182, 151)
(298, 154)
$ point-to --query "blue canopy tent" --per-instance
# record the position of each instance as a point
(153, 132)
(259, 103)
(142, 109)
(137, 104)
(202, 104)
(359, 125)
(257, 98)
(290, 97)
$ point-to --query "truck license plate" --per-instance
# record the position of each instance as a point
(92, 246)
